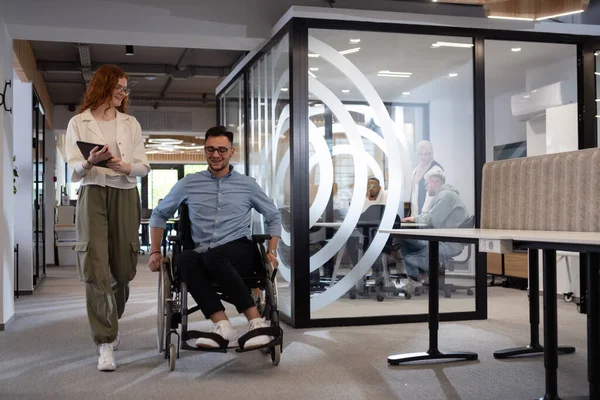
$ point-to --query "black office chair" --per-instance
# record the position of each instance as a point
(381, 280)
(172, 300)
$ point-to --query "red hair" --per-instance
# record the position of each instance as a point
(100, 89)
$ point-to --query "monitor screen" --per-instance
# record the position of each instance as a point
(510, 150)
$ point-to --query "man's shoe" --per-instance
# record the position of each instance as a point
(258, 340)
(106, 361)
(223, 329)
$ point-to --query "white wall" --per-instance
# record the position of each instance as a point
(7, 307)
(500, 126)
(23, 127)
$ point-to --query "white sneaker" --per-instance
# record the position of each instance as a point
(117, 342)
(258, 340)
(106, 361)
(225, 330)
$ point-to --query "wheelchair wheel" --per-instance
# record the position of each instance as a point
(172, 356)
(164, 292)
(276, 354)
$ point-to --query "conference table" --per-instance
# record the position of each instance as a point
(503, 241)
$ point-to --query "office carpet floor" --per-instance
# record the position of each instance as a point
(47, 353)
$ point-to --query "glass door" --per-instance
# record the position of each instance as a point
(39, 219)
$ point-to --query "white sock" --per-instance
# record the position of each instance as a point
(225, 322)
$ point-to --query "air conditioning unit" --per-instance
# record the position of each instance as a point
(533, 104)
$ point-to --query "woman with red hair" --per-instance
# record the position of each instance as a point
(108, 208)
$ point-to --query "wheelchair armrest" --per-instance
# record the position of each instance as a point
(260, 238)
(174, 238)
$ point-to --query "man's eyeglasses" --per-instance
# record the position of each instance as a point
(372, 186)
(221, 150)
(125, 89)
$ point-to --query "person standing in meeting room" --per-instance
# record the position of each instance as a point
(420, 200)
(108, 208)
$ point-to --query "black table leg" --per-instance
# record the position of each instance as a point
(550, 326)
(534, 346)
(434, 320)
(593, 313)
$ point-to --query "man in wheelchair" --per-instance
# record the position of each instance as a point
(219, 201)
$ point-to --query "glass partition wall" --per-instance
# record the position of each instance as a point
(352, 127)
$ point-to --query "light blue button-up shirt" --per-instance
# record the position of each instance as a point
(220, 209)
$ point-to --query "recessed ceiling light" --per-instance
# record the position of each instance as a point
(314, 55)
(596, 54)
(559, 15)
(515, 49)
(312, 75)
(392, 75)
(350, 51)
(314, 68)
(284, 89)
(354, 41)
(150, 78)
(451, 44)
(453, 75)
(405, 93)
(597, 73)
(345, 91)
(128, 50)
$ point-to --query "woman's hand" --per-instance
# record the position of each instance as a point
(272, 259)
(98, 155)
(155, 261)
(408, 219)
(117, 165)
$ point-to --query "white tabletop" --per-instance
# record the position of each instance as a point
(586, 238)
(339, 224)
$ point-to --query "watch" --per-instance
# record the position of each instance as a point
(274, 252)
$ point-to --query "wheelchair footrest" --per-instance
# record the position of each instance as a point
(223, 343)
(273, 331)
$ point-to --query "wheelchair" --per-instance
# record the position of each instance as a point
(173, 312)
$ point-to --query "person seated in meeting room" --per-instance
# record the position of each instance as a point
(220, 201)
(420, 200)
(375, 194)
(447, 211)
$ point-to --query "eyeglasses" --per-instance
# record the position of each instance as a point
(222, 150)
(372, 185)
(125, 89)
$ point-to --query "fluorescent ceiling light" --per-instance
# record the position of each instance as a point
(453, 75)
(559, 15)
(597, 99)
(317, 104)
(314, 55)
(513, 18)
(311, 74)
(165, 148)
(405, 93)
(150, 78)
(345, 91)
(350, 51)
(596, 54)
(354, 41)
(515, 49)
(165, 141)
(392, 75)
(451, 44)
(597, 73)
(284, 89)
(314, 69)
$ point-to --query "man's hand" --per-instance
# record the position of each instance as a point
(117, 165)
(272, 259)
(155, 261)
(408, 219)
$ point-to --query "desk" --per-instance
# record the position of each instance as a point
(364, 226)
(549, 242)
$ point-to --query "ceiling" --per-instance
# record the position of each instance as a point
(505, 70)
(158, 76)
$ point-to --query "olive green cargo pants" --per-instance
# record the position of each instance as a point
(108, 221)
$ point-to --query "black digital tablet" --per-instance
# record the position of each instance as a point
(86, 147)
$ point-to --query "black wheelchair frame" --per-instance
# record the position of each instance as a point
(172, 302)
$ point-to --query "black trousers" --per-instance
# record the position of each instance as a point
(224, 265)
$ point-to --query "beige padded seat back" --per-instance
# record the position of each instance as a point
(554, 192)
